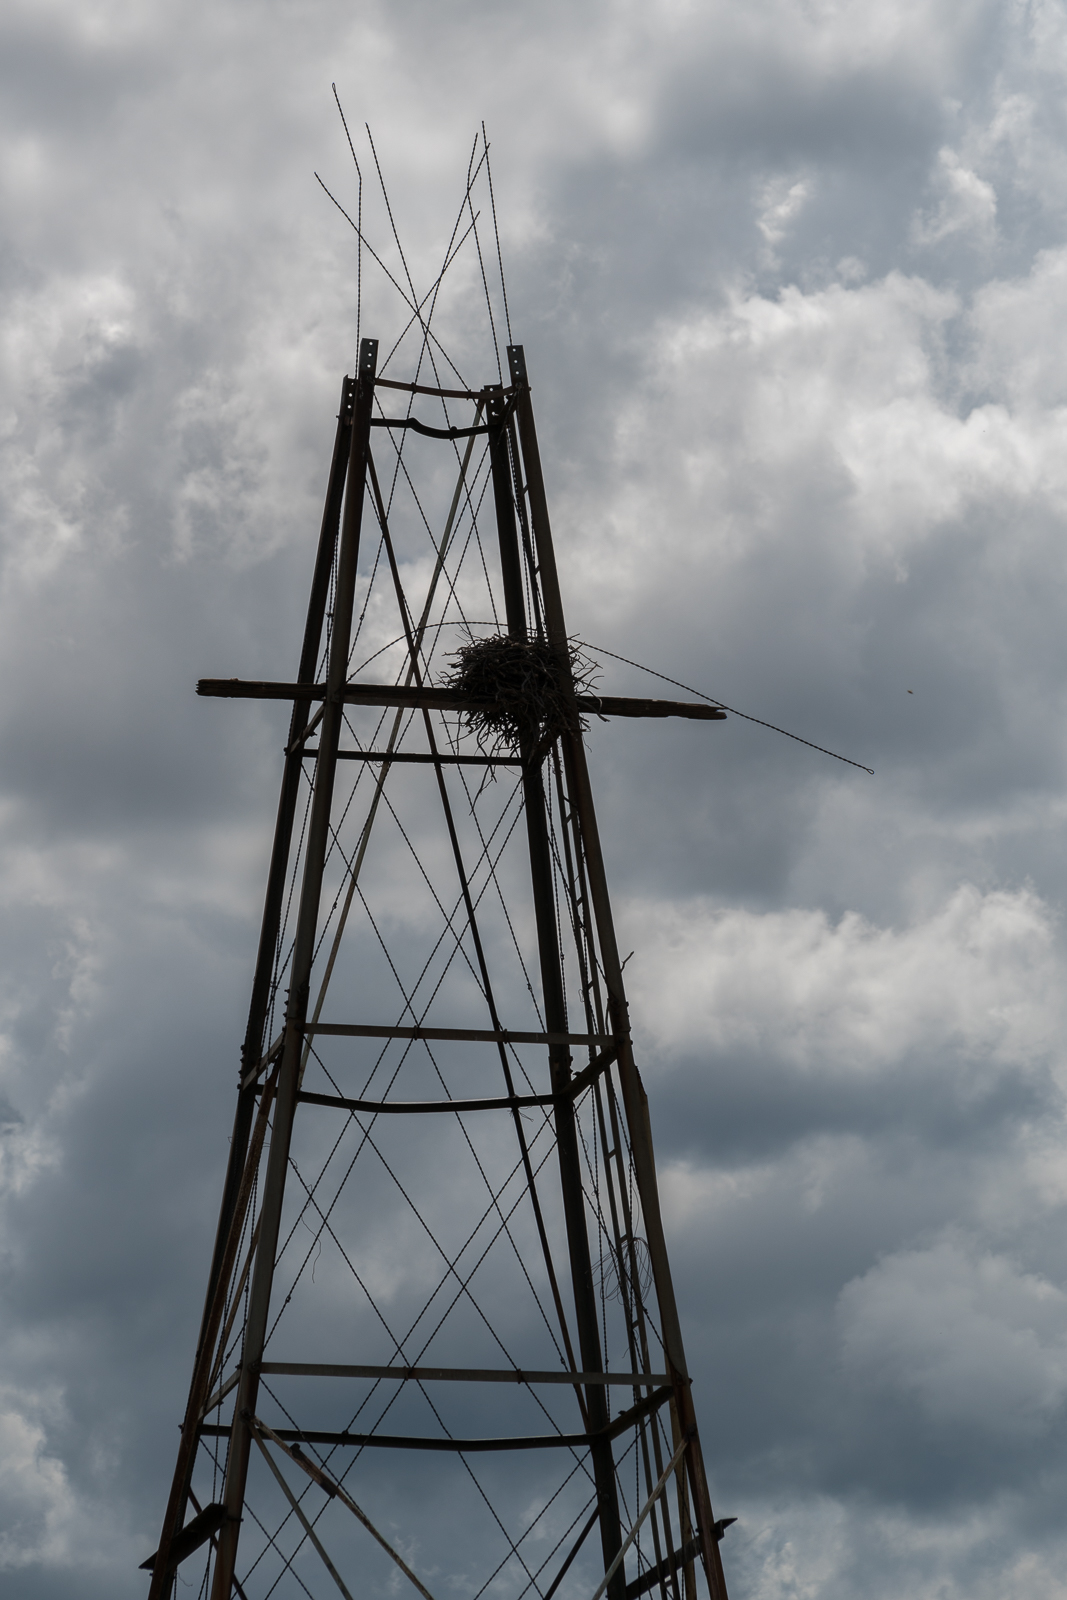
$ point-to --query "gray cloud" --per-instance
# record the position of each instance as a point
(791, 286)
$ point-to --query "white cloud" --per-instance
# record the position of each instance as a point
(43, 1522)
(968, 204)
(982, 975)
(812, 1549)
(823, 416)
(781, 202)
(975, 1338)
(769, 474)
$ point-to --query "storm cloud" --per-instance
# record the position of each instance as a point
(792, 285)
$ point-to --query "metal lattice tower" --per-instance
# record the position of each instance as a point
(440, 1336)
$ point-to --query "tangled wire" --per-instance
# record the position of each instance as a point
(523, 690)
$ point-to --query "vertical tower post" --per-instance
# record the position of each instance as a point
(570, 1172)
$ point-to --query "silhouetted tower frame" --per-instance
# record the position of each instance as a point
(270, 1080)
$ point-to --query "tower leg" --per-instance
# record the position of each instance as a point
(585, 1304)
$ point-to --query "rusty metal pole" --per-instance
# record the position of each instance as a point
(303, 955)
(585, 1304)
(268, 938)
(634, 1099)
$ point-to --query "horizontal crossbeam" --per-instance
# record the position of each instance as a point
(421, 427)
(387, 694)
(399, 1441)
(446, 394)
(361, 1030)
(504, 1102)
(422, 758)
(331, 1369)
(376, 1108)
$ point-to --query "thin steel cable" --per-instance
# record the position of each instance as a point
(409, 324)
(403, 258)
(522, 1146)
(466, 926)
(410, 1007)
(474, 1479)
(464, 1283)
(366, 603)
(359, 217)
(287, 1561)
(600, 650)
(449, 622)
(419, 1019)
(325, 1460)
(448, 578)
(409, 303)
(496, 230)
(491, 869)
(564, 1536)
(311, 1190)
(450, 256)
(525, 1535)
(488, 301)
(534, 605)
(449, 917)
(503, 905)
(546, 795)
(449, 920)
(455, 1300)
(366, 1137)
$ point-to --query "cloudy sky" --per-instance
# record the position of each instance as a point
(792, 282)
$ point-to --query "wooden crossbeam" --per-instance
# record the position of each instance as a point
(388, 694)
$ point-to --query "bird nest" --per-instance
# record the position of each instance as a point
(525, 688)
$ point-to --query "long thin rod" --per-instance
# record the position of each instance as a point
(635, 1530)
(335, 1490)
(298, 1509)
(572, 1552)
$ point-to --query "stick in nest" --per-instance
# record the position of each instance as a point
(525, 688)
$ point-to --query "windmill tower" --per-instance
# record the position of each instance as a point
(440, 1345)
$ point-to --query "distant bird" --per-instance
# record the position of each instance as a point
(911, 691)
